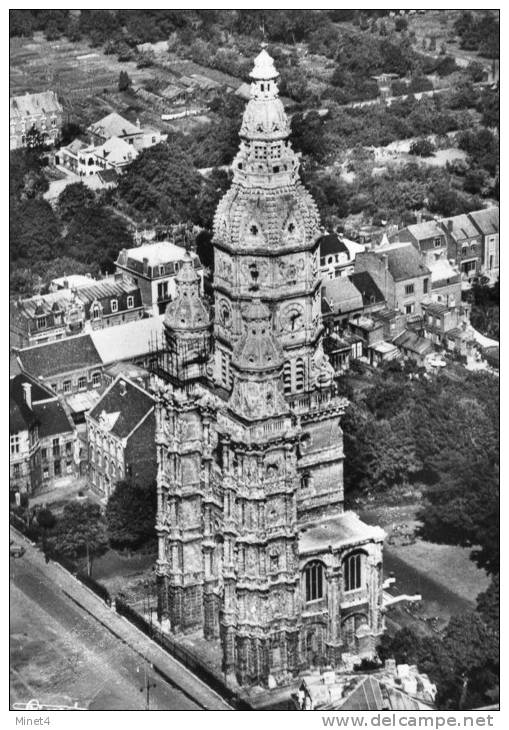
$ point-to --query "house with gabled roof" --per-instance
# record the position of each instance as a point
(114, 125)
(42, 111)
(44, 445)
(400, 274)
(487, 222)
(121, 437)
(464, 246)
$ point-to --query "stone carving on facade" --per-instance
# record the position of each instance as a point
(254, 447)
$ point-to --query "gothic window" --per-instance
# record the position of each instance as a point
(299, 375)
(305, 481)
(291, 227)
(313, 576)
(253, 230)
(274, 562)
(352, 571)
(287, 377)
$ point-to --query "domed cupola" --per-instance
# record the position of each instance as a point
(266, 191)
(264, 117)
(187, 311)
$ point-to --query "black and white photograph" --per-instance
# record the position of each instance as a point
(254, 402)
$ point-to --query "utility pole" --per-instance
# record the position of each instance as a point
(147, 684)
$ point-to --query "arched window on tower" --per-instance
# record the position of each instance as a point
(313, 579)
(352, 571)
(299, 375)
(287, 377)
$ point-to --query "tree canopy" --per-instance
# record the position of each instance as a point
(80, 532)
(131, 514)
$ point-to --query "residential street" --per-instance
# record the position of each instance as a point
(62, 654)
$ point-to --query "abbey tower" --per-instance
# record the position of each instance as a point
(254, 545)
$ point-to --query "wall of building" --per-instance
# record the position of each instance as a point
(141, 454)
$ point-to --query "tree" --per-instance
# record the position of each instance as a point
(34, 231)
(69, 132)
(476, 71)
(131, 514)
(124, 82)
(34, 139)
(46, 521)
(95, 235)
(422, 148)
(400, 24)
(463, 662)
(80, 532)
(72, 199)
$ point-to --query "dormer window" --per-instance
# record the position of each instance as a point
(96, 312)
(161, 271)
(114, 305)
(130, 302)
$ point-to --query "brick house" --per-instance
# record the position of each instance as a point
(153, 267)
(69, 366)
(67, 311)
(427, 237)
(42, 111)
(464, 246)
(399, 273)
(44, 447)
(121, 437)
(487, 222)
(349, 297)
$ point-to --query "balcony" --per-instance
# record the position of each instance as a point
(353, 598)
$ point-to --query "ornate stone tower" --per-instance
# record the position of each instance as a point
(254, 545)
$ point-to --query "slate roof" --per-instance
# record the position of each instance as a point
(125, 411)
(486, 220)
(108, 176)
(367, 696)
(405, 263)
(52, 418)
(61, 356)
(342, 294)
(332, 244)
(113, 125)
(427, 229)
(33, 104)
(116, 151)
(364, 283)
(162, 253)
(59, 300)
(128, 341)
(345, 529)
(411, 341)
(47, 410)
(462, 227)
(105, 291)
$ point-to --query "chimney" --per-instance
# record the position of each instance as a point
(145, 266)
(138, 123)
(123, 388)
(449, 226)
(385, 260)
(27, 394)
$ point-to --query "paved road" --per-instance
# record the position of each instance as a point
(61, 653)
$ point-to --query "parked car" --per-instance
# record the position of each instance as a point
(16, 551)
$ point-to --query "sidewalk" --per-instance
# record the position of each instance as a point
(124, 630)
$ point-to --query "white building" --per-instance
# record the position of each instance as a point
(337, 255)
(153, 267)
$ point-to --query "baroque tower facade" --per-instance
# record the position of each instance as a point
(255, 547)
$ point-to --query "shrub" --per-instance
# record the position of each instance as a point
(422, 148)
